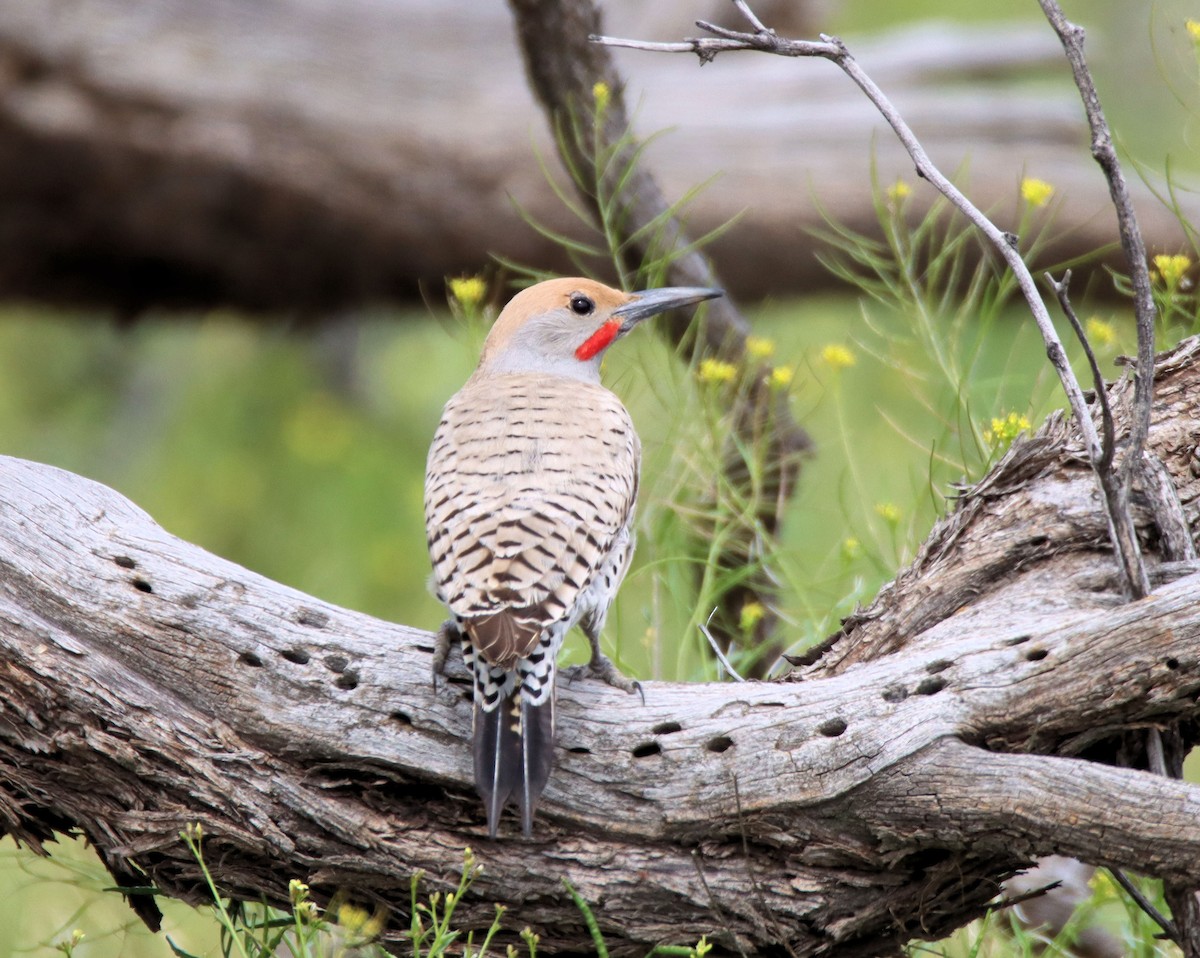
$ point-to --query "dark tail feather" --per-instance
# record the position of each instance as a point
(514, 750)
(537, 746)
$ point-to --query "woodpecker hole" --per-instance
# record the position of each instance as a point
(1172, 664)
(931, 686)
(401, 718)
(667, 728)
(250, 658)
(125, 562)
(719, 744)
(336, 663)
(295, 656)
(1036, 655)
(933, 668)
(347, 680)
(895, 693)
(1038, 540)
(832, 728)
(311, 617)
(143, 586)
(647, 749)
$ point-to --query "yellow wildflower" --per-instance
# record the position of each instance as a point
(898, 191)
(1036, 192)
(716, 371)
(752, 613)
(1170, 269)
(838, 357)
(851, 548)
(601, 95)
(1101, 331)
(1193, 29)
(889, 512)
(1005, 429)
(781, 377)
(468, 290)
(759, 347)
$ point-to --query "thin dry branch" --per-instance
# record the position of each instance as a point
(1116, 506)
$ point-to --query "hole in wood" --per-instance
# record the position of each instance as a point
(347, 680)
(336, 663)
(579, 750)
(143, 586)
(832, 728)
(933, 668)
(311, 617)
(250, 658)
(1172, 664)
(401, 718)
(647, 749)
(895, 693)
(1036, 655)
(1018, 640)
(125, 562)
(719, 744)
(296, 656)
(666, 728)
(931, 686)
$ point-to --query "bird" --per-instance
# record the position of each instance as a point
(530, 486)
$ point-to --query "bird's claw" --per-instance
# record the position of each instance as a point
(447, 635)
(601, 667)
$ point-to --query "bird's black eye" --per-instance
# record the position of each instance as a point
(581, 305)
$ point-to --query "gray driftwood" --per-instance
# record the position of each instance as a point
(967, 723)
(307, 156)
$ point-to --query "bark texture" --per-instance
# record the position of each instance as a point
(951, 734)
(296, 156)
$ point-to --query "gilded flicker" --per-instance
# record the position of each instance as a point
(529, 494)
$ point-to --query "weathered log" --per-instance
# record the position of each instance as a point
(287, 156)
(947, 739)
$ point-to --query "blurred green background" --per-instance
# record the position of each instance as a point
(301, 455)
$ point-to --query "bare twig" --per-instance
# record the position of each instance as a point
(1072, 37)
(716, 649)
(1108, 437)
(1145, 904)
(1115, 494)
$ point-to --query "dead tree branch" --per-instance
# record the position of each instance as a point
(1116, 508)
(958, 730)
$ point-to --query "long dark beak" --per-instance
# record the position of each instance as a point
(651, 302)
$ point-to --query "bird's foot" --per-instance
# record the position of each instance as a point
(601, 667)
(447, 635)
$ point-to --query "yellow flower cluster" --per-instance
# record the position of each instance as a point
(837, 357)
(759, 347)
(889, 512)
(851, 548)
(1036, 192)
(752, 613)
(1101, 331)
(1005, 429)
(716, 371)
(601, 95)
(468, 290)
(781, 377)
(1193, 29)
(1170, 269)
(898, 191)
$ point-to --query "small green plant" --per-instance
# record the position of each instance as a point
(341, 930)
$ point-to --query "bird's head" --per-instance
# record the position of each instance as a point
(563, 326)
